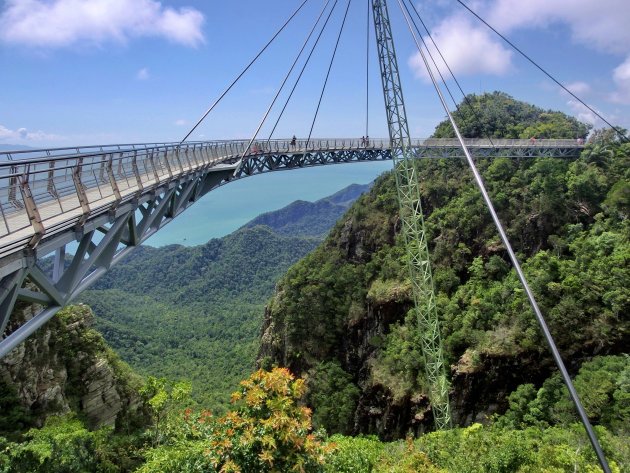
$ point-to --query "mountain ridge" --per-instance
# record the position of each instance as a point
(310, 218)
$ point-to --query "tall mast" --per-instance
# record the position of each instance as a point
(412, 220)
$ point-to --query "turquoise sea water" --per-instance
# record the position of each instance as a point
(227, 208)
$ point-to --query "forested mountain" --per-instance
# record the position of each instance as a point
(311, 218)
(497, 115)
(195, 313)
(342, 316)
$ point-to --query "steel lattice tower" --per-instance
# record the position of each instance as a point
(411, 218)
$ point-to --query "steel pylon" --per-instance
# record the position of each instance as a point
(413, 228)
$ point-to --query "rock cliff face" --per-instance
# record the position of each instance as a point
(378, 409)
(477, 392)
(66, 366)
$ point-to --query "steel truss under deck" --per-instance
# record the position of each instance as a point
(102, 242)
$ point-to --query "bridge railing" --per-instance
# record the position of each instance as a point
(57, 187)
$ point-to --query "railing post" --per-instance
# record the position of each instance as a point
(179, 160)
(13, 185)
(50, 187)
(112, 178)
(186, 152)
(155, 173)
(134, 166)
(32, 211)
(167, 164)
(82, 196)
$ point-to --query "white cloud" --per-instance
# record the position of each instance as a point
(22, 134)
(142, 74)
(584, 114)
(180, 122)
(481, 54)
(621, 77)
(60, 23)
(598, 25)
(601, 25)
(578, 88)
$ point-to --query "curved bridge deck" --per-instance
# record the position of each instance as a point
(109, 199)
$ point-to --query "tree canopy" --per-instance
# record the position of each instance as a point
(497, 115)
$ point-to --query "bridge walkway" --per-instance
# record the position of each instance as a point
(48, 191)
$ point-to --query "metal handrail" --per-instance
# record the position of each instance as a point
(96, 150)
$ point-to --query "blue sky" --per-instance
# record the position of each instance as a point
(105, 71)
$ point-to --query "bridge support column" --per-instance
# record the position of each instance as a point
(9, 287)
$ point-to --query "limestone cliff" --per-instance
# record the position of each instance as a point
(66, 366)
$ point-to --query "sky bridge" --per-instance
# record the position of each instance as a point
(106, 200)
(47, 192)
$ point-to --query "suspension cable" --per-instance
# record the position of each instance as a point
(286, 103)
(431, 56)
(286, 77)
(521, 276)
(468, 102)
(617, 130)
(216, 102)
(367, 73)
(332, 59)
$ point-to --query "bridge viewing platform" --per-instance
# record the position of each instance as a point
(107, 200)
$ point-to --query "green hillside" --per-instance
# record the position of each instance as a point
(342, 316)
(195, 313)
(311, 218)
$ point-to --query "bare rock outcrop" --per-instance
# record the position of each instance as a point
(67, 366)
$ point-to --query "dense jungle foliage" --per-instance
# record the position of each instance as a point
(497, 115)
(269, 429)
(567, 219)
(195, 312)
